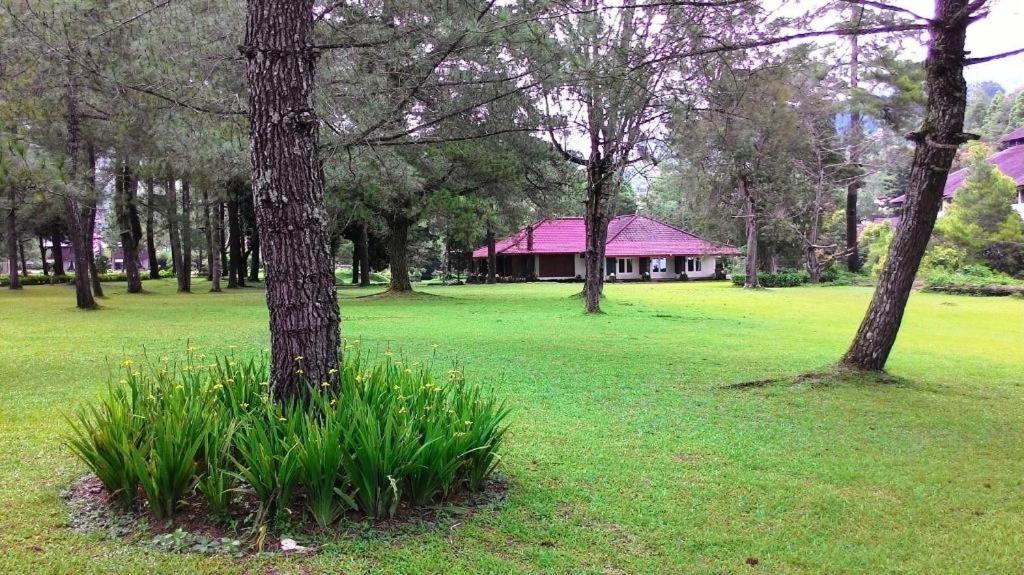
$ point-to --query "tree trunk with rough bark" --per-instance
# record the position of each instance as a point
(305, 323)
(854, 153)
(12, 241)
(128, 221)
(398, 252)
(752, 224)
(154, 266)
(185, 229)
(937, 142)
(596, 225)
(76, 228)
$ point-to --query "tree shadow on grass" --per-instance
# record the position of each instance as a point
(830, 376)
(403, 295)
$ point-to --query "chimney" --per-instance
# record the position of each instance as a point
(529, 238)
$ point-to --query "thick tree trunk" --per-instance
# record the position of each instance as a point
(154, 267)
(236, 261)
(752, 224)
(42, 255)
(12, 241)
(57, 241)
(398, 252)
(128, 221)
(364, 254)
(288, 195)
(184, 276)
(937, 143)
(854, 152)
(596, 224)
(492, 256)
(171, 206)
(82, 246)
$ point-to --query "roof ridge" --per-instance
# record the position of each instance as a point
(624, 226)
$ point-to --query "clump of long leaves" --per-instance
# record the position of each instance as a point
(386, 434)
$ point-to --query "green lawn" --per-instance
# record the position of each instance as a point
(629, 452)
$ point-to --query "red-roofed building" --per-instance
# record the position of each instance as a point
(1009, 160)
(553, 249)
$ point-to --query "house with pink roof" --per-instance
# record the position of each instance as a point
(1009, 160)
(637, 247)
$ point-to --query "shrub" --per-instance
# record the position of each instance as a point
(972, 280)
(784, 278)
(387, 434)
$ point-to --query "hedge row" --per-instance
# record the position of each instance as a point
(783, 278)
(37, 279)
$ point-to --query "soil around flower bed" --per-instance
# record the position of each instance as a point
(91, 509)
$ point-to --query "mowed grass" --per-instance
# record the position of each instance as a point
(629, 450)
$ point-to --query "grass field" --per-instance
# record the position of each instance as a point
(629, 452)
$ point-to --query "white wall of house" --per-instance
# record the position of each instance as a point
(707, 267)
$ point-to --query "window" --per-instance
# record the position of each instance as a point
(697, 265)
(689, 264)
(659, 265)
(625, 265)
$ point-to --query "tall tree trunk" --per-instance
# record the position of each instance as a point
(752, 220)
(57, 240)
(222, 240)
(398, 252)
(21, 254)
(355, 263)
(173, 232)
(854, 151)
(94, 200)
(236, 262)
(154, 266)
(185, 229)
(305, 323)
(596, 225)
(217, 256)
(492, 256)
(208, 235)
(42, 255)
(128, 221)
(82, 246)
(254, 256)
(364, 254)
(937, 143)
(12, 241)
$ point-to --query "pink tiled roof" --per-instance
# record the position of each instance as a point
(1009, 161)
(1017, 134)
(634, 235)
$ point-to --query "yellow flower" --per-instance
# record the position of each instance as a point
(299, 372)
(299, 358)
(325, 384)
(282, 419)
(359, 379)
(332, 371)
(218, 386)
